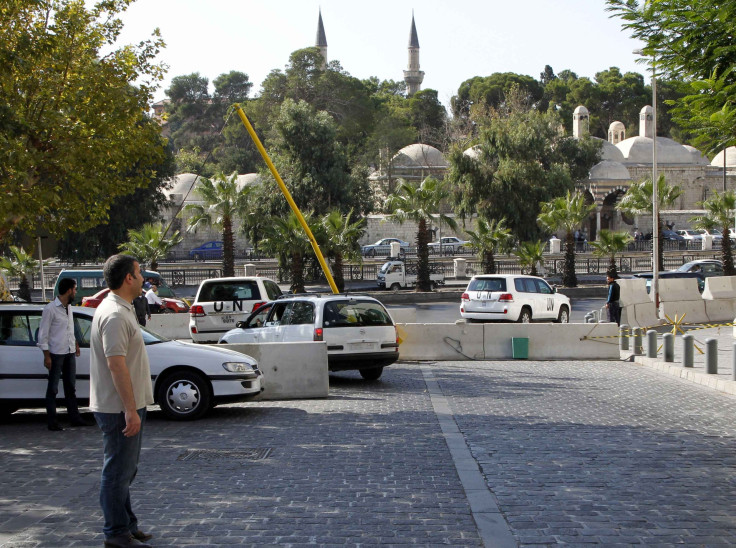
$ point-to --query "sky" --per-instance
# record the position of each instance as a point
(458, 40)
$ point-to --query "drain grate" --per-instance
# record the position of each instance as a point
(256, 453)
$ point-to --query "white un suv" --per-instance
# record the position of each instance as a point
(358, 330)
(513, 298)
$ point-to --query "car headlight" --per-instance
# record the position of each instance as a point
(239, 367)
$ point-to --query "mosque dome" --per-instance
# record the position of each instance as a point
(419, 156)
(608, 170)
(609, 151)
(730, 153)
(696, 157)
(182, 185)
(474, 152)
(249, 179)
(184, 191)
(580, 109)
(638, 150)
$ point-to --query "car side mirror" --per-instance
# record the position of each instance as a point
(241, 324)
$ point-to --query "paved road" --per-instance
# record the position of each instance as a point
(570, 452)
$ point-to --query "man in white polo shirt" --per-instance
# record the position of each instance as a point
(120, 390)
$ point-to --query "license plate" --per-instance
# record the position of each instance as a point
(228, 319)
(361, 346)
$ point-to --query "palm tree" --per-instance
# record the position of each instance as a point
(530, 254)
(566, 213)
(719, 213)
(222, 203)
(490, 237)
(609, 243)
(149, 245)
(419, 202)
(638, 201)
(340, 241)
(286, 239)
(21, 266)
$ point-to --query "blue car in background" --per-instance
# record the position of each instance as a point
(207, 251)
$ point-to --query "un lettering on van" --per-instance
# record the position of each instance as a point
(220, 305)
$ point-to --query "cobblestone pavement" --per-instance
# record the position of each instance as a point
(573, 453)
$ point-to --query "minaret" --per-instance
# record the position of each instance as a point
(413, 76)
(322, 40)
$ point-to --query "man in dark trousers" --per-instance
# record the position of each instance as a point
(614, 294)
(142, 308)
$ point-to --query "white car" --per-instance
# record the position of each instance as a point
(691, 234)
(188, 380)
(220, 302)
(358, 330)
(449, 245)
(511, 297)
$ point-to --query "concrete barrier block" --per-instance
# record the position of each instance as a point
(290, 370)
(628, 316)
(720, 287)
(633, 291)
(693, 311)
(646, 315)
(403, 315)
(720, 310)
(441, 341)
(679, 289)
(171, 326)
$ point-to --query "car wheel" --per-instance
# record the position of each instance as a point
(564, 316)
(525, 316)
(184, 396)
(166, 310)
(372, 374)
(395, 287)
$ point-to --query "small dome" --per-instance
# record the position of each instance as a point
(419, 155)
(473, 152)
(617, 126)
(609, 151)
(730, 158)
(580, 110)
(609, 171)
(696, 156)
(638, 150)
(249, 179)
(182, 185)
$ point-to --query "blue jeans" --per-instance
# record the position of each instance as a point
(64, 366)
(119, 468)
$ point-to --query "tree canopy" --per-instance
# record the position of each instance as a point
(73, 134)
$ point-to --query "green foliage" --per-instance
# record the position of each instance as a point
(21, 265)
(149, 244)
(530, 254)
(339, 241)
(692, 41)
(719, 212)
(566, 213)
(490, 237)
(608, 244)
(420, 202)
(521, 160)
(492, 91)
(222, 203)
(73, 137)
(286, 239)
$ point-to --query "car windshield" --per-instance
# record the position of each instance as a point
(487, 284)
(351, 313)
(385, 268)
(229, 291)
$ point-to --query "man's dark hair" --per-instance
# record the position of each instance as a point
(66, 284)
(117, 268)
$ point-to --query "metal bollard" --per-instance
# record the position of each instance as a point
(651, 343)
(668, 347)
(624, 337)
(687, 350)
(638, 346)
(711, 356)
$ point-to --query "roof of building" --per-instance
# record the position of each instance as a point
(321, 37)
(730, 153)
(638, 150)
(413, 38)
(608, 170)
(419, 155)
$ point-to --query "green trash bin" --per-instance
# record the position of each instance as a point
(520, 348)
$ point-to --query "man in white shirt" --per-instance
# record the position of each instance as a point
(154, 301)
(60, 349)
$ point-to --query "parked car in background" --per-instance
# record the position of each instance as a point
(188, 380)
(90, 282)
(170, 305)
(700, 270)
(207, 251)
(448, 245)
(672, 236)
(383, 247)
(691, 234)
(511, 297)
(220, 302)
(714, 233)
(358, 330)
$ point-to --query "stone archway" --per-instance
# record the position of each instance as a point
(591, 224)
(611, 218)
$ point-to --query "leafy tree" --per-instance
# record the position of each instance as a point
(286, 239)
(719, 213)
(638, 201)
(692, 41)
(608, 244)
(340, 241)
(419, 202)
(521, 160)
(530, 254)
(429, 117)
(222, 203)
(493, 90)
(566, 213)
(21, 265)
(149, 243)
(487, 239)
(73, 136)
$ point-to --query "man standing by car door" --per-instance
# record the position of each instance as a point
(120, 390)
(60, 349)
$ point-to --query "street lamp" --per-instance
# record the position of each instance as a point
(655, 188)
